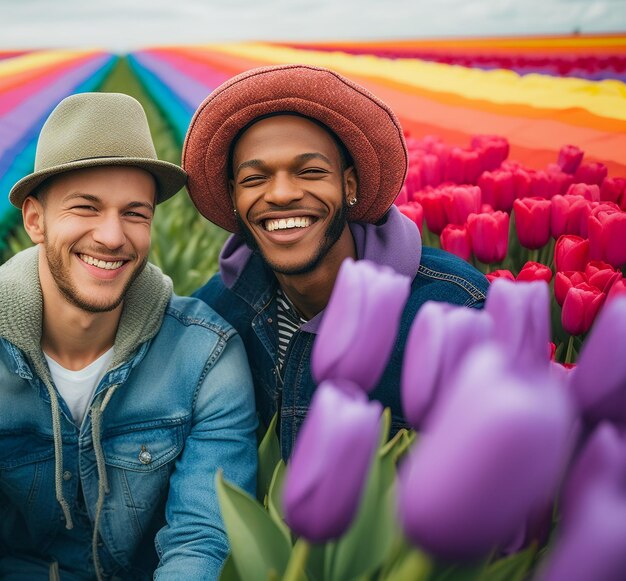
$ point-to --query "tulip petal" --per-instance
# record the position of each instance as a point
(331, 459)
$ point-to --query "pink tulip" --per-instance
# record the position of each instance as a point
(460, 202)
(456, 239)
(570, 157)
(501, 273)
(607, 234)
(571, 253)
(591, 173)
(490, 235)
(532, 221)
(534, 271)
(565, 280)
(590, 192)
(580, 307)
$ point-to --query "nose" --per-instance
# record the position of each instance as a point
(282, 191)
(109, 232)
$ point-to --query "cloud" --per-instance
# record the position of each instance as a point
(123, 25)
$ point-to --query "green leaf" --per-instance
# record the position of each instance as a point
(269, 457)
(274, 500)
(229, 571)
(511, 568)
(409, 565)
(258, 546)
(366, 543)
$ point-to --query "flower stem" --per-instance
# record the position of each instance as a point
(297, 561)
(569, 356)
(533, 255)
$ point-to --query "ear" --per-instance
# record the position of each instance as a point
(350, 182)
(32, 215)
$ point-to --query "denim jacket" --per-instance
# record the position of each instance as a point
(244, 292)
(175, 406)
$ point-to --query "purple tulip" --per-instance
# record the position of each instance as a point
(599, 379)
(521, 314)
(592, 542)
(493, 451)
(360, 324)
(439, 339)
(332, 456)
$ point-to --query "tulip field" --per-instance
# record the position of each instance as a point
(514, 466)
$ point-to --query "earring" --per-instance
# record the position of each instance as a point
(352, 202)
(235, 211)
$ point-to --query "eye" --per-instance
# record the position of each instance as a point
(138, 215)
(84, 208)
(314, 172)
(252, 180)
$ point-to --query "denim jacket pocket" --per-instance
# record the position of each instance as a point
(139, 460)
(26, 469)
(143, 453)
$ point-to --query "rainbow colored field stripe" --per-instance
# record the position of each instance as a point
(540, 92)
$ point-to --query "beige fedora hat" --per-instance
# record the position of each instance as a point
(97, 129)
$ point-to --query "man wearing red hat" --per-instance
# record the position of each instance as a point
(302, 165)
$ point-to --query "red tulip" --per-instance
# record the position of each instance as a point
(591, 173)
(460, 202)
(561, 180)
(612, 189)
(463, 166)
(534, 271)
(569, 216)
(501, 273)
(571, 253)
(493, 149)
(540, 184)
(607, 234)
(498, 189)
(580, 308)
(431, 170)
(601, 275)
(532, 221)
(490, 235)
(570, 157)
(456, 239)
(434, 209)
(414, 211)
(521, 182)
(565, 280)
(590, 192)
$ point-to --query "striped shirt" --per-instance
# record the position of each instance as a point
(289, 321)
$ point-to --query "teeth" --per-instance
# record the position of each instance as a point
(287, 223)
(100, 263)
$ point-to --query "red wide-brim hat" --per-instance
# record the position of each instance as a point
(366, 126)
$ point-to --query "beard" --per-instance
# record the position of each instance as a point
(60, 274)
(331, 235)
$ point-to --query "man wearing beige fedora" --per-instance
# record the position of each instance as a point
(119, 401)
(302, 165)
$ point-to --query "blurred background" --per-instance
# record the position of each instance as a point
(540, 73)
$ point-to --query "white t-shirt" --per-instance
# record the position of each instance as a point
(77, 387)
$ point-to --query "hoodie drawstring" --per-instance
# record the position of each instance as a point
(58, 457)
(103, 482)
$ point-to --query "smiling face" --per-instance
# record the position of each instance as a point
(94, 227)
(290, 188)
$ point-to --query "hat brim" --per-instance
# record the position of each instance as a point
(366, 126)
(169, 177)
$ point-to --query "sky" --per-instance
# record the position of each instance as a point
(124, 25)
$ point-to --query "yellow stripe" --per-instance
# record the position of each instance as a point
(39, 59)
(604, 98)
